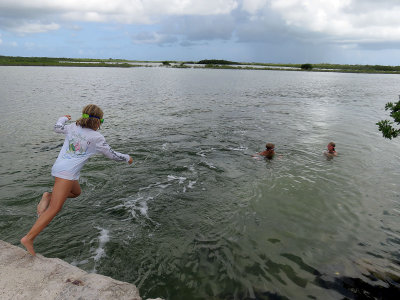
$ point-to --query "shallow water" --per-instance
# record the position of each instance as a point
(197, 217)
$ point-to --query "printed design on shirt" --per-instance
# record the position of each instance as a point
(114, 154)
(77, 146)
(59, 127)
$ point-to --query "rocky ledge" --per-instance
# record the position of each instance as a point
(23, 276)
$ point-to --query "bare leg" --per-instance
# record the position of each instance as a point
(45, 201)
(75, 190)
(61, 190)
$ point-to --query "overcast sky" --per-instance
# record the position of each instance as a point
(276, 31)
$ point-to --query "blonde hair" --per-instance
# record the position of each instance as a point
(91, 122)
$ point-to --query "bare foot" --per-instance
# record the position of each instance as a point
(28, 244)
(44, 203)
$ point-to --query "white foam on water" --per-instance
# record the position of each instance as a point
(201, 153)
(143, 208)
(181, 179)
(210, 165)
(191, 184)
(157, 184)
(135, 205)
(240, 148)
(163, 186)
(164, 146)
(103, 238)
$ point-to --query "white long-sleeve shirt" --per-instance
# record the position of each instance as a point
(79, 145)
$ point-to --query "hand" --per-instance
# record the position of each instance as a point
(130, 160)
(68, 116)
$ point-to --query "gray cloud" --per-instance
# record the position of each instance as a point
(189, 31)
(282, 28)
(380, 46)
(260, 27)
(147, 37)
(28, 26)
(122, 11)
(354, 21)
(27, 20)
(199, 28)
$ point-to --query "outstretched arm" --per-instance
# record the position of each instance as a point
(107, 151)
(263, 153)
(60, 125)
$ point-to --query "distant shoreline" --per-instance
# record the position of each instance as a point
(205, 64)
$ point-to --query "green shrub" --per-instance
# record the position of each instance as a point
(385, 126)
(306, 67)
(217, 62)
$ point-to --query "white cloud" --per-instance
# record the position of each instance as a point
(121, 11)
(153, 38)
(340, 20)
(334, 21)
(35, 28)
(189, 7)
(252, 6)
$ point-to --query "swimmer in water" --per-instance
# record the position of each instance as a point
(331, 152)
(269, 151)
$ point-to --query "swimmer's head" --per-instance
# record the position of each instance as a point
(92, 117)
(331, 146)
(270, 146)
(269, 152)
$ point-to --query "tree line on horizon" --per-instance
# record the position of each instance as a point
(54, 61)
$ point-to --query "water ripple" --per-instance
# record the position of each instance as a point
(197, 217)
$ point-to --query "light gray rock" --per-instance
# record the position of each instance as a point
(23, 276)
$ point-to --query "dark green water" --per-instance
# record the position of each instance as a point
(197, 217)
